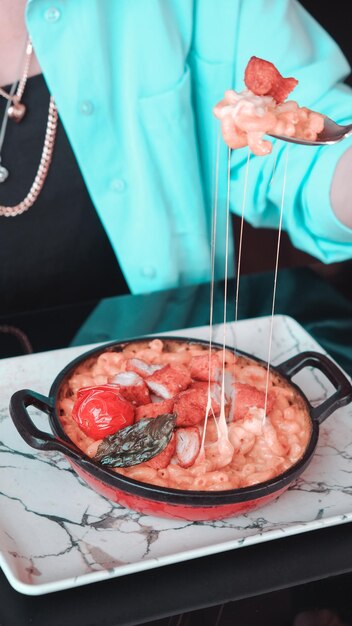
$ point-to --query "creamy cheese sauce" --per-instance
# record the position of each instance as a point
(253, 451)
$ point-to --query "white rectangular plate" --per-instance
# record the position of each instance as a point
(56, 533)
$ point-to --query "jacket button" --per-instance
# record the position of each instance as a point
(148, 271)
(118, 184)
(86, 107)
(52, 15)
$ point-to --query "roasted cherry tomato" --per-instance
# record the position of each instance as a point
(101, 411)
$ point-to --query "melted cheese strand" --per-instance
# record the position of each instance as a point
(239, 259)
(225, 446)
(273, 172)
(209, 409)
(219, 616)
(275, 283)
(244, 198)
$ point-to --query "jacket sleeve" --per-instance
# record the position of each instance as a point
(285, 34)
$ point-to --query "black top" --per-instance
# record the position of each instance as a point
(57, 252)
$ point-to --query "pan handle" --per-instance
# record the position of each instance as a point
(30, 433)
(343, 393)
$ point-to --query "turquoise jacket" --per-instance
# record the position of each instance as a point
(135, 82)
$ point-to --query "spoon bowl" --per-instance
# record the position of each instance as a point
(331, 133)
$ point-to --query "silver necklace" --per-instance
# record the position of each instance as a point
(3, 171)
(14, 109)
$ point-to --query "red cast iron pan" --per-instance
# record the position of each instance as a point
(167, 502)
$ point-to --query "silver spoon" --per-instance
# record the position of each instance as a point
(331, 133)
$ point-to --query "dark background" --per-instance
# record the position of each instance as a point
(335, 18)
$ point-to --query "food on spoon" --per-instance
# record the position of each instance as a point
(261, 109)
(262, 78)
(258, 449)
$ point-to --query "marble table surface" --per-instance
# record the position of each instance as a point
(56, 533)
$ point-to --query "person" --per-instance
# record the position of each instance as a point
(124, 197)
